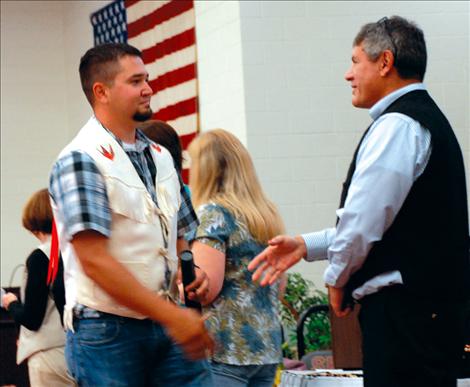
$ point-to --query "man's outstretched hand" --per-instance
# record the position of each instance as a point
(282, 253)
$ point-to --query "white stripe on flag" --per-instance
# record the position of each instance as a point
(143, 8)
(185, 124)
(173, 95)
(163, 31)
(172, 62)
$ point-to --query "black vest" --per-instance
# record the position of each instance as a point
(428, 242)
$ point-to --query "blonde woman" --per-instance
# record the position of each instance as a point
(236, 221)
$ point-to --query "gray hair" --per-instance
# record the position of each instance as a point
(403, 38)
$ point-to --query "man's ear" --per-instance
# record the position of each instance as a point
(386, 62)
(100, 92)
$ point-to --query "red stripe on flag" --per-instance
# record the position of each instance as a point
(129, 3)
(173, 78)
(147, 22)
(175, 43)
(183, 108)
(186, 139)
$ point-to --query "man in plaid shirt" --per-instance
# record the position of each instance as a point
(118, 204)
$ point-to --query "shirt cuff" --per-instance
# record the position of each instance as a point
(335, 275)
(317, 244)
(14, 305)
(329, 277)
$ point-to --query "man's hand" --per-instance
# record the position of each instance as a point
(282, 253)
(185, 326)
(199, 288)
(188, 330)
(336, 296)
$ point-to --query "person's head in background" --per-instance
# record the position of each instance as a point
(37, 214)
(163, 134)
(387, 55)
(222, 172)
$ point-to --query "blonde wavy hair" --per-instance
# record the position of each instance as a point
(222, 172)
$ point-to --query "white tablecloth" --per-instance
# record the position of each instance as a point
(309, 379)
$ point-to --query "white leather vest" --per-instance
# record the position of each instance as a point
(50, 334)
(138, 229)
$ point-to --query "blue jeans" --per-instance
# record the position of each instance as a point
(119, 351)
(227, 375)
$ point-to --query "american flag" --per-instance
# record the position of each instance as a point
(165, 33)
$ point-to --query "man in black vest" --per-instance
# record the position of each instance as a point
(400, 246)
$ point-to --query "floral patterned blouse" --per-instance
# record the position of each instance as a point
(244, 318)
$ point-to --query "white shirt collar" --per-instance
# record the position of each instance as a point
(379, 107)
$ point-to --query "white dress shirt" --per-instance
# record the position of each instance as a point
(393, 154)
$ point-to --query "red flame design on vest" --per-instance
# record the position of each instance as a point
(107, 153)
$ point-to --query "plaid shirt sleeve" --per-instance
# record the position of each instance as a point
(78, 189)
(187, 218)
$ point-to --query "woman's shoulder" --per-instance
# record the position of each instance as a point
(213, 208)
(215, 216)
(37, 257)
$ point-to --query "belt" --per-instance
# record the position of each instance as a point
(81, 311)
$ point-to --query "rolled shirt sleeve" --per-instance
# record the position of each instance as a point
(78, 189)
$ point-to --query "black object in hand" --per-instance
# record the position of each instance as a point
(348, 300)
(189, 275)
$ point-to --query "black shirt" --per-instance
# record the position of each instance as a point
(31, 312)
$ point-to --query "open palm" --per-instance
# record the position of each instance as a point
(282, 253)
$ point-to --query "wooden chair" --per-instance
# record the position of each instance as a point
(345, 334)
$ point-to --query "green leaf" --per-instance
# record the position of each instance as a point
(301, 294)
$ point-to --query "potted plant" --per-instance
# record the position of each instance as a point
(300, 294)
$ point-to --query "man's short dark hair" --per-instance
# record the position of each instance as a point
(404, 38)
(101, 64)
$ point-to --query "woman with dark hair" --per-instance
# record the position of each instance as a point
(163, 134)
(42, 337)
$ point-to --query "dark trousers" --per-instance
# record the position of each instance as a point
(407, 343)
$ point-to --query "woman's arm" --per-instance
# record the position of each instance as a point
(31, 312)
(212, 261)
